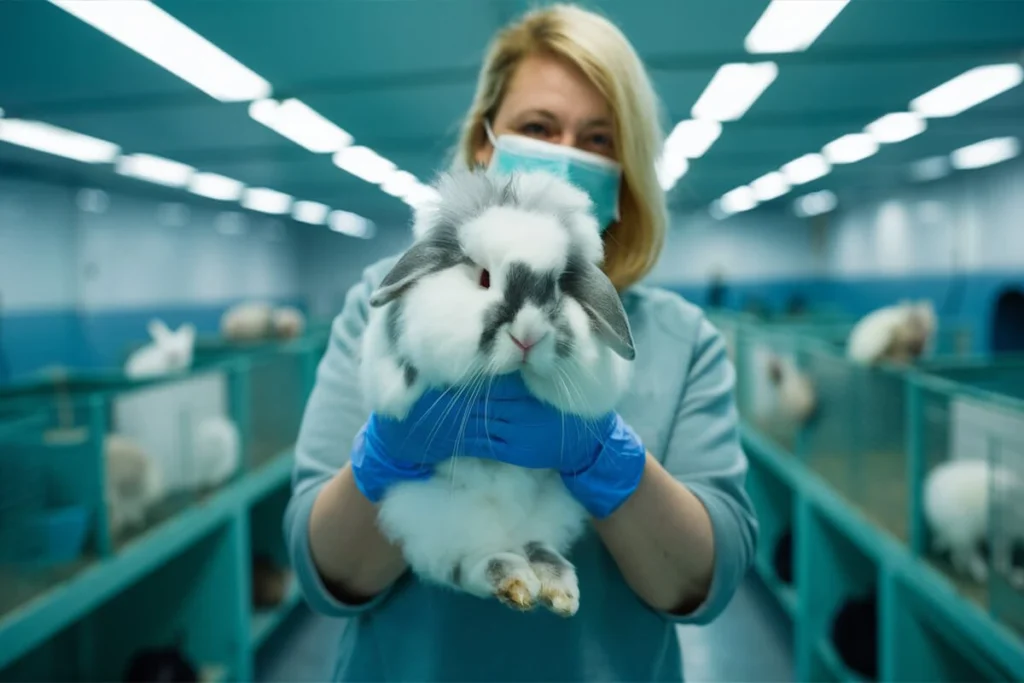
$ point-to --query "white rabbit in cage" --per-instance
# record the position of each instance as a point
(795, 395)
(956, 509)
(898, 334)
(249, 321)
(133, 483)
(288, 322)
(168, 352)
(216, 451)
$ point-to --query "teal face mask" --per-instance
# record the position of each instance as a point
(597, 176)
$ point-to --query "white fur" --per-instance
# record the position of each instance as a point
(288, 322)
(898, 334)
(475, 510)
(134, 484)
(217, 451)
(795, 394)
(249, 321)
(956, 508)
(168, 352)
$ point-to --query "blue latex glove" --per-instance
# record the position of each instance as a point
(601, 460)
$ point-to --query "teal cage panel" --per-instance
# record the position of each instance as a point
(856, 440)
(277, 389)
(774, 503)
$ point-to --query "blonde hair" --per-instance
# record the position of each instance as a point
(599, 49)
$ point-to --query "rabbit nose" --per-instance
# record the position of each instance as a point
(526, 343)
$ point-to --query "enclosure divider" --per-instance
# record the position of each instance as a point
(916, 465)
(239, 534)
(98, 407)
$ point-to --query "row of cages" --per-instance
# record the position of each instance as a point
(91, 462)
(931, 453)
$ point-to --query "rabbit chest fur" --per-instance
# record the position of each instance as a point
(483, 527)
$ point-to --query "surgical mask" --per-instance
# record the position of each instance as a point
(594, 174)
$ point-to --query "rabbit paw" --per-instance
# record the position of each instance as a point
(506, 576)
(559, 587)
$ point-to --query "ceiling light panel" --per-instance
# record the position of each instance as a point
(850, 148)
(265, 200)
(348, 223)
(313, 213)
(770, 186)
(815, 203)
(301, 124)
(738, 200)
(967, 90)
(985, 153)
(792, 25)
(155, 169)
(733, 90)
(400, 183)
(43, 137)
(806, 168)
(931, 168)
(896, 127)
(691, 138)
(214, 186)
(364, 163)
(156, 35)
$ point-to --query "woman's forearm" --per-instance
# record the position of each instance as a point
(352, 555)
(662, 541)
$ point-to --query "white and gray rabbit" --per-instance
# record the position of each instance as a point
(247, 321)
(901, 333)
(796, 399)
(216, 451)
(957, 502)
(168, 352)
(495, 261)
(133, 484)
(288, 322)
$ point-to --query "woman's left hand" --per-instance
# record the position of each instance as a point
(601, 460)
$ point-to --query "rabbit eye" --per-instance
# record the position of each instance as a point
(485, 278)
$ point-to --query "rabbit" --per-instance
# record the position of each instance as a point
(796, 398)
(134, 484)
(288, 322)
(896, 334)
(216, 451)
(169, 352)
(855, 635)
(956, 509)
(249, 321)
(479, 526)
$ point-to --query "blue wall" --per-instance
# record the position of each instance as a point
(958, 242)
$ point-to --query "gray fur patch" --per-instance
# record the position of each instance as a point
(437, 251)
(411, 373)
(538, 553)
(586, 283)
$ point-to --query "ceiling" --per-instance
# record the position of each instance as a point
(399, 74)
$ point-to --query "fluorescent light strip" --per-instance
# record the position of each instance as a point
(738, 200)
(215, 186)
(806, 168)
(733, 90)
(850, 148)
(364, 163)
(421, 194)
(770, 186)
(967, 90)
(691, 138)
(299, 123)
(159, 37)
(896, 127)
(670, 168)
(265, 200)
(351, 224)
(43, 137)
(815, 204)
(313, 213)
(155, 169)
(792, 25)
(400, 183)
(985, 153)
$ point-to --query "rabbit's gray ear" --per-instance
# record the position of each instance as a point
(437, 251)
(586, 283)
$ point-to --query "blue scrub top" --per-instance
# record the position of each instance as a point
(682, 406)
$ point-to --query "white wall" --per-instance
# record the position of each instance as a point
(972, 220)
(126, 252)
(761, 245)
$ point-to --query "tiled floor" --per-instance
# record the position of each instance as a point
(749, 643)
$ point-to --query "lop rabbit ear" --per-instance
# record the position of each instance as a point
(437, 251)
(586, 283)
(158, 330)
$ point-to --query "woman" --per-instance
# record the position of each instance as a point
(673, 531)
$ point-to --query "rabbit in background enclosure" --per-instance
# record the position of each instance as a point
(249, 321)
(217, 451)
(957, 508)
(133, 481)
(796, 399)
(481, 526)
(168, 351)
(288, 322)
(897, 334)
